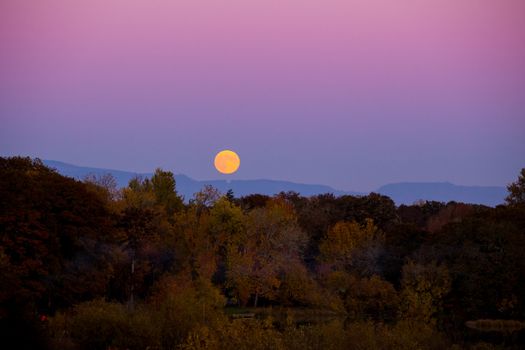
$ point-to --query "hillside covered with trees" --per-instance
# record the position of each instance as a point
(86, 265)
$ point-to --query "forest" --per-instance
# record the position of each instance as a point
(87, 265)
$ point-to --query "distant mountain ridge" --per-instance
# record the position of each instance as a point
(401, 193)
(187, 186)
(409, 192)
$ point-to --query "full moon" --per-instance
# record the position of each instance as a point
(227, 162)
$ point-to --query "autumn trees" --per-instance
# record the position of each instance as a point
(53, 229)
(55, 243)
(77, 253)
(347, 244)
(269, 249)
(424, 288)
(517, 190)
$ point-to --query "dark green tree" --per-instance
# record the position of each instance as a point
(163, 183)
(517, 190)
(230, 196)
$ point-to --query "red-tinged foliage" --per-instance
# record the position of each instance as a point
(49, 225)
(415, 274)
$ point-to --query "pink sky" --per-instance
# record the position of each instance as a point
(352, 94)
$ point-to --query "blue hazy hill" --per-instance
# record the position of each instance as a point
(409, 192)
(401, 193)
(187, 186)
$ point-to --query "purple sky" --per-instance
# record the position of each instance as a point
(352, 94)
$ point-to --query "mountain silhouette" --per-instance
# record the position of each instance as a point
(187, 186)
(409, 192)
(401, 193)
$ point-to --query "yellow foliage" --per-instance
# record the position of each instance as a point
(345, 239)
(423, 289)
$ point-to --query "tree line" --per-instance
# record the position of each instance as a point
(86, 265)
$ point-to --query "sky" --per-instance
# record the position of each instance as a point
(353, 94)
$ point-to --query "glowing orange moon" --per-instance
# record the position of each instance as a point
(227, 162)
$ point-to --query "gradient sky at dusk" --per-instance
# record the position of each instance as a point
(352, 94)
